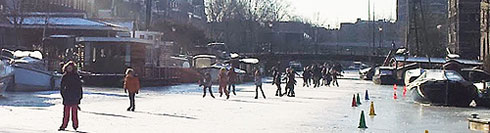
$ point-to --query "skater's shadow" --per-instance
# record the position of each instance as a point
(168, 115)
(104, 94)
(243, 101)
(28, 99)
(314, 98)
(106, 114)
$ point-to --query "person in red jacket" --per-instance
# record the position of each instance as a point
(131, 84)
(71, 92)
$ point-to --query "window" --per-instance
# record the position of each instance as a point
(150, 37)
(142, 36)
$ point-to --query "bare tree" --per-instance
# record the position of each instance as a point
(13, 11)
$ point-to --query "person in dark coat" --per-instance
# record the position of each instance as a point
(291, 82)
(317, 75)
(207, 83)
(274, 74)
(277, 82)
(258, 84)
(306, 76)
(71, 92)
(232, 78)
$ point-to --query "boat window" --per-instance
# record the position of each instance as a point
(451, 75)
(386, 72)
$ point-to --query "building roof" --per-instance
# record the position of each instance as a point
(61, 23)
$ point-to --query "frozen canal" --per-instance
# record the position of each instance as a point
(182, 109)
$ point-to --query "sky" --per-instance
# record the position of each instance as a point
(334, 12)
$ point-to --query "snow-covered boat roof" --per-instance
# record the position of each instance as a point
(114, 39)
(420, 59)
(55, 21)
(204, 56)
(435, 60)
(250, 60)
(34, 54)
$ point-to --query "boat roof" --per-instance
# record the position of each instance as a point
(61, 23)
(204, 56)
(114, 39)
(435, 60)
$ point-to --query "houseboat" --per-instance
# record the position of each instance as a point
(443, 87)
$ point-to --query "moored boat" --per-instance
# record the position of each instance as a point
(384, 76)
(31, 74)
(443, 87)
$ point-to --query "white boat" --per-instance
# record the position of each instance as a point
(31, 74)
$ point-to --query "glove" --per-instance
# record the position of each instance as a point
(137, 92)
(125, 91)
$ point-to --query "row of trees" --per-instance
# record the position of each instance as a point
(242, 24)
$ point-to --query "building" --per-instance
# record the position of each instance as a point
(412, 27)
(485, 29)
(464, 28)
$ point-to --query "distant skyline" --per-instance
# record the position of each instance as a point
(334, 12)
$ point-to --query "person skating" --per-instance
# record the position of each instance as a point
(207, 83)
(277, 82)
(306, 77)
(317, 74)
(291, 82)
(334, 78)
(223, 80)
(258, 84)
(72, 94)
(232, 78)
(131, 85)
(328, 77)
(274, 73)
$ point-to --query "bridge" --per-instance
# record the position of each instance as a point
(272, 58)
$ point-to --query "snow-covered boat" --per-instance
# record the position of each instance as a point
(443, 87)
(31, 74)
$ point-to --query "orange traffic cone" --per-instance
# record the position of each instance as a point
(404, 90)
(354, 103)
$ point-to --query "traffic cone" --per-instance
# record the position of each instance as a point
(362, 121)
(371, 109)
(394, 95)
(354, 103)
(394, 87)
(358, 99)
(366, 97)
(404, 90)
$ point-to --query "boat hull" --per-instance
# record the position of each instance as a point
(384, 79)
(25, 79)
(5, 81)
(434, 92)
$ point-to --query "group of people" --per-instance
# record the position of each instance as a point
(321, 75)
(72, 94)
(71, 85)
(290, 75)
(226, 78)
